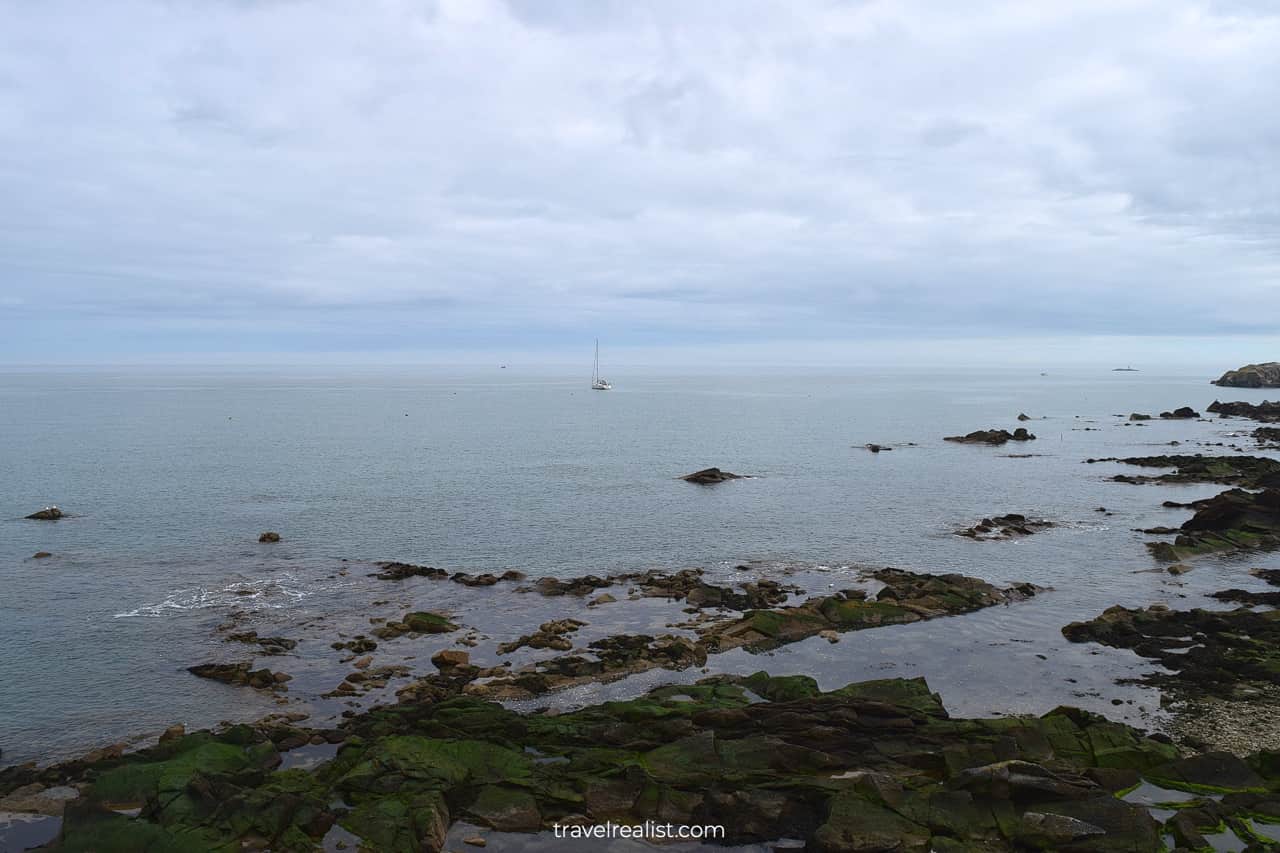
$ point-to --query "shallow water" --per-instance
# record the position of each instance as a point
(171, 476)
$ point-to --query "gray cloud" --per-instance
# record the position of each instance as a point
(467, 171)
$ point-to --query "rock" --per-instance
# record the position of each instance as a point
(49, 513)
(1264, 375)
(1005, 527)
(830, 636)
(571, 586)
(362, 663)
(992, 436)
(239, 674)
(401, 571)
(450, 658)
(710, 475)
(550, 635)
(174, 732)
(1232, 520)
(474, 841)
(267, 645)
(1253, 472)
(1178, 569)
(269, 536)
(1264, 411)
(1138, 416)
(602, 598)
(1023, 416)
(1183, 413)
(41, 555)
(428, 623)
(1205, 653)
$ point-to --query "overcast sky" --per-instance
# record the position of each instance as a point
(464, 178)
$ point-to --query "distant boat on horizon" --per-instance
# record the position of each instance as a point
(1129, 369)
(598, 382)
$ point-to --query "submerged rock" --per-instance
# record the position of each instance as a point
(710, 475)
(49, 513)
(267, 645)
(1264, 375)
(992, 436)
(400, 571)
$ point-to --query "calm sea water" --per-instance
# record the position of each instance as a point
(170, 476)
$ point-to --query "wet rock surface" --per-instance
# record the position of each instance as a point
(1230, 521)
(992, 436)
(240, 673)
(1253, 472)
(1264, 375)
(710, 475)
(1181, 413)
(49, 513)
(1264, 411)
(1008, 526)
(1207, 652)
(876, 765)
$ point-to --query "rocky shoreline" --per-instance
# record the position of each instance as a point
(874, 765)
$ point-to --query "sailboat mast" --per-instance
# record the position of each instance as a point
(595, 371)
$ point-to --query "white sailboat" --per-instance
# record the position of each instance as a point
(598, 382)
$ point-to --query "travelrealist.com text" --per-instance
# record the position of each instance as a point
(648, 829)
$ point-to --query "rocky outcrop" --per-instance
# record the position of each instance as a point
(708, 476)
(49, 513)
(1205, 652)
(395, 571)
(904, 597)
(1233, 520)
(419, 622)
(1265, 375)
(872, 766)
(240, 674)
(1005, 527)
(1251, 472)
(992, 436)
(1265, 411)
(266, 645)
(1183, 413)
(550, 635)
(1139, 416)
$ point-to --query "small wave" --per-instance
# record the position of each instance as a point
(272, 594)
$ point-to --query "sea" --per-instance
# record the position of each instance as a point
(168, 476)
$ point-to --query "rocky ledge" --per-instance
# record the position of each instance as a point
(1252, 472)
(1264, 375)
(1182, 413)
(902, 597)
(1265, 411)
(872, 766)
(1205, 652)
(992, 436)
(1233, 520)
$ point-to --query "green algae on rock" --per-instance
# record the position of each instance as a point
(1252, 472)
(873, 766)
(1207, 652)
(1232, 520)
(905, 597)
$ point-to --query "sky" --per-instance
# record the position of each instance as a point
(472, 180)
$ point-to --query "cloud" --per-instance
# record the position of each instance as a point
(479, 172)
